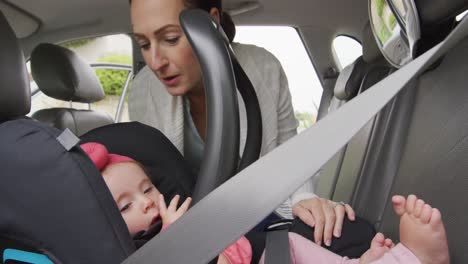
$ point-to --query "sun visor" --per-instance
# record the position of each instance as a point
(22, 23)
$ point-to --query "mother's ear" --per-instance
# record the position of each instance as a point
(214, 12)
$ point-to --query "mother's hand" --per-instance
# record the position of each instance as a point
(325, 216)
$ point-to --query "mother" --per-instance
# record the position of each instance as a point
(169, 94)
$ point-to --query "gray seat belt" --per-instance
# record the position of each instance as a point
(277, 247)
(238, 205)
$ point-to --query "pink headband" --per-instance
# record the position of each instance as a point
(100, 156)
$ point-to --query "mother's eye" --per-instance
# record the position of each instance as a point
(172, 40)
(144, 46)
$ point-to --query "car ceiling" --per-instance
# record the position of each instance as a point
(318, 21)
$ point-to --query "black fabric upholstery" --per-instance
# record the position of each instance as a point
(57, 200)
(147, 145)
(15, 94)
(354, 241)
(78, 121)
(437, 11)
(62, 75)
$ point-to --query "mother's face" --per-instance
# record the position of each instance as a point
(164, 46)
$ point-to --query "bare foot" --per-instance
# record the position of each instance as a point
(379, 246)
(421, 230)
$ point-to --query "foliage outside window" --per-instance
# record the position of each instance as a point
(305, 119)
(113, 80)
(77, 43)
(384, 20)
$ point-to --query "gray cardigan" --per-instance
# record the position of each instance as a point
(149, 103)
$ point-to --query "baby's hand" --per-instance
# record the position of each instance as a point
(170, 214)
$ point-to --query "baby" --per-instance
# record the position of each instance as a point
(142, 205)
(422, 233)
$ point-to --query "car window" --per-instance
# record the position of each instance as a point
(346, 50)
(304, 84)
(111, 57)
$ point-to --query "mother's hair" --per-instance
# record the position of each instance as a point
(226, 21)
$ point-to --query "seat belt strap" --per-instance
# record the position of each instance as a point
(277, 247)
(235, 207)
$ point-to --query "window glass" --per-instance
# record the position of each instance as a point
(103, 52)
(286, 44)
(347, 50)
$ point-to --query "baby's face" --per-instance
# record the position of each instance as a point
(135, 195)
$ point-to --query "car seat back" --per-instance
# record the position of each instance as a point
(55, 200)
(340, 174)
(435, 157)
(61, 74)
(420, 146)
(45, 187)
(15, 94)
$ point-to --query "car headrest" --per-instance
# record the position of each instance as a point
(61, 74)
(15, 93)
(350, 78)
(437, 11)
(370, 50)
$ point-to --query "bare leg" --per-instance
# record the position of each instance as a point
(422, 230)
(379, 246)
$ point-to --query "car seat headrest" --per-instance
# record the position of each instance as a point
(15, 93)
(61, 74)
(370, 51)
(437, 11)
(165, 166)
(350, 78)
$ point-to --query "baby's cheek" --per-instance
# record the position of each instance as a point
(134, 224)
(155, 197)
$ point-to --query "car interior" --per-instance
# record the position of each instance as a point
(415, 144)
(67, 78)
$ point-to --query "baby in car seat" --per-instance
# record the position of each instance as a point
(142, 205)
(422, 233)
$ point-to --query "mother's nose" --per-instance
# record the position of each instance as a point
(158, 59)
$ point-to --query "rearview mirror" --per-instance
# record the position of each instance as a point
(396, 27)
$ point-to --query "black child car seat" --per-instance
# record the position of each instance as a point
(48, 181)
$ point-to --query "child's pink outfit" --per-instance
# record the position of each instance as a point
(240, 252)
(304, 251)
